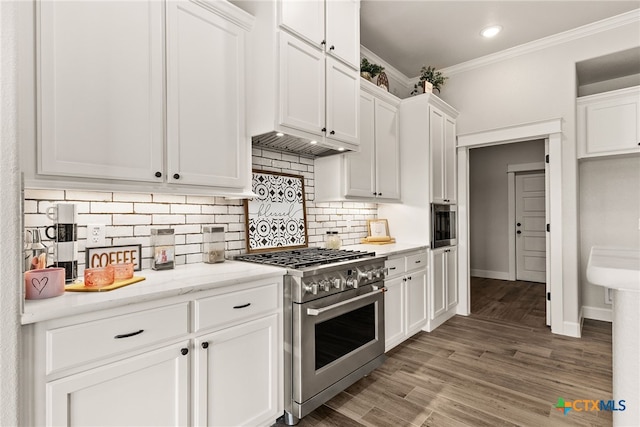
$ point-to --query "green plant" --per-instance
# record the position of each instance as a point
(429, 74)
(368, 67)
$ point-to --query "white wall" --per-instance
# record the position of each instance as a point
(539, 85)
(609, 212)
(488, 203)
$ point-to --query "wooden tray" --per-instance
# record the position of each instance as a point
(385, 242)
(80, 287)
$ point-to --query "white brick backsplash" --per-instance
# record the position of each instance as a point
(35, 194)
(188, 249)
(133, 219)
(105, 219)
(167, 219)
(180, 239)
(201, 219)
(237, 226)
(30, 206)
(189, 228)
(151, 208)
(168, 198)
(193, 258)
(236, 210)
(95, 196)
(236, 244)
(228, 219)
(132, 197)
(142, 230)
(119, 231)
(120, 241)
(201, 200)
(114, 207)
(211, 209)
(185, 209)
(193, 238)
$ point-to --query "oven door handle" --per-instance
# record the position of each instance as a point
(319, 311)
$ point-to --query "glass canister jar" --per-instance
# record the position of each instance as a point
(213, 244)
(333, 240)
(163, 245)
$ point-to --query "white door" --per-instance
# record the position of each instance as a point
(360, 166)
(452, 277)
(151, 389)
(343, 30)
(416, 300)
(303, 18)
(206, 144)
(237, 375)
(101, 89)
(343, 96)
(436, 141)
(438, 283)
(449, 161)
(530, 227)
(302, 85)
(394, 312)
(387, 151)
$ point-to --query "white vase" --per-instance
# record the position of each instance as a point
(428, 87)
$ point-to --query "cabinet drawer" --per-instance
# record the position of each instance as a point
(395, 266)
(73, 345)
(418, 261)
(235, 306)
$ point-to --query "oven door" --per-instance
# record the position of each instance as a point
(334, 336)
(443, 225)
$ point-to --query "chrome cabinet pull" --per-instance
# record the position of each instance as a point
(130, 334)
(319, 311)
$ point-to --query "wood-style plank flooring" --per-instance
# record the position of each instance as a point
(482, 370)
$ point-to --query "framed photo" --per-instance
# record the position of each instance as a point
(277, 217)
(378, 227)
(101, 256)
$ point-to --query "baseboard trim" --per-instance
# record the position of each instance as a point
(488, 274)
(597, 313)
(572, 329)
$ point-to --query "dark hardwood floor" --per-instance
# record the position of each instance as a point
(501, 366)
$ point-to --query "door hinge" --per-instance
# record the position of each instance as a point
(548, 228)
(546, 158)
(548, 296)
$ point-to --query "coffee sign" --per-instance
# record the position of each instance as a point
(100, 257)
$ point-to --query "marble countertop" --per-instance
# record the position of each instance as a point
(388, 249)
(157, 285)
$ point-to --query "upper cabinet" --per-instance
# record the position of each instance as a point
(108, 72)
(609, 123)
(300, 83)
(442, 135)
(373, 173)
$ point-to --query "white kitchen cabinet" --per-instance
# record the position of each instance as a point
(443, 156)
(609, 123)
(235, 381)
(373, 173)
(332, 24)
(101, 96)
(405, 304)
(444, 285)
(148, 389)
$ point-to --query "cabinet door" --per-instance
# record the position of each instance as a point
(394, 312)
(302, 85)
(237, 375)
(304, 18)
(613, 126)
(436, 141)
(450, 162)
(360, 172)
(387, 151)
(150, 389)
(343, 94)
(101, 89)
(438, 283)
(452, 277)
(206, 144)
(343, 30)
(416, 301)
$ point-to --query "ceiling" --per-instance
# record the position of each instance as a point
(410, 34)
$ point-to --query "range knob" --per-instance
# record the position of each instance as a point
(365, 275)
(351, 283)
(312, 288)
(378, 273)
(336, 282)
(325, 285)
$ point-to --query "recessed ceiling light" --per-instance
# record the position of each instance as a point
(313, 141)
(341, 149)
(491, 31)
(279, 134)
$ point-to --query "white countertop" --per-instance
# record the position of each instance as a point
(617, 268)
(388, 249)
(157, 284)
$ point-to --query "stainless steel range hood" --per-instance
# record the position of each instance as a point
(295, 145)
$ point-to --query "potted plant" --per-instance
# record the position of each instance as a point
(430, 80)
(369, 70)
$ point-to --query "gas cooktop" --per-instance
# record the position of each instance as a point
(302, 258)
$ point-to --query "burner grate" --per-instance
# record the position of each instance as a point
(302, 258)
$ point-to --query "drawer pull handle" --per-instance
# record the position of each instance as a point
(392, 268)
(205, 345)
(418, 262)
(184, 351)
(242, 306)
(131, 334)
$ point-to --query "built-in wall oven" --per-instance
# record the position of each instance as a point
(333, 323)
(443, 225)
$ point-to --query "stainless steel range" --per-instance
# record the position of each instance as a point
(333, 322)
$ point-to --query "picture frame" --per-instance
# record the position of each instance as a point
(378, 228)
(277, 217)
(101, 256)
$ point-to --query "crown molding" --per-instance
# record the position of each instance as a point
(626, 18)
(388, 69)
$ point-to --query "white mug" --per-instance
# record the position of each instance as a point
(63, 213)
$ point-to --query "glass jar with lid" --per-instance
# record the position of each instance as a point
(213, 244)
(163, 245)
(333, 240)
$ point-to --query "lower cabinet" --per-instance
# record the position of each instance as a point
(444, 285)
(148, 389)
(212, 359)
(405, 302)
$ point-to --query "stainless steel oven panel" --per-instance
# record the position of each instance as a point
(444, 228)
(307, 381)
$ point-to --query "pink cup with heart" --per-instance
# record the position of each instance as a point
(44, 283)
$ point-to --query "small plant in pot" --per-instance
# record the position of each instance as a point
(369, 70)
(433, 78)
